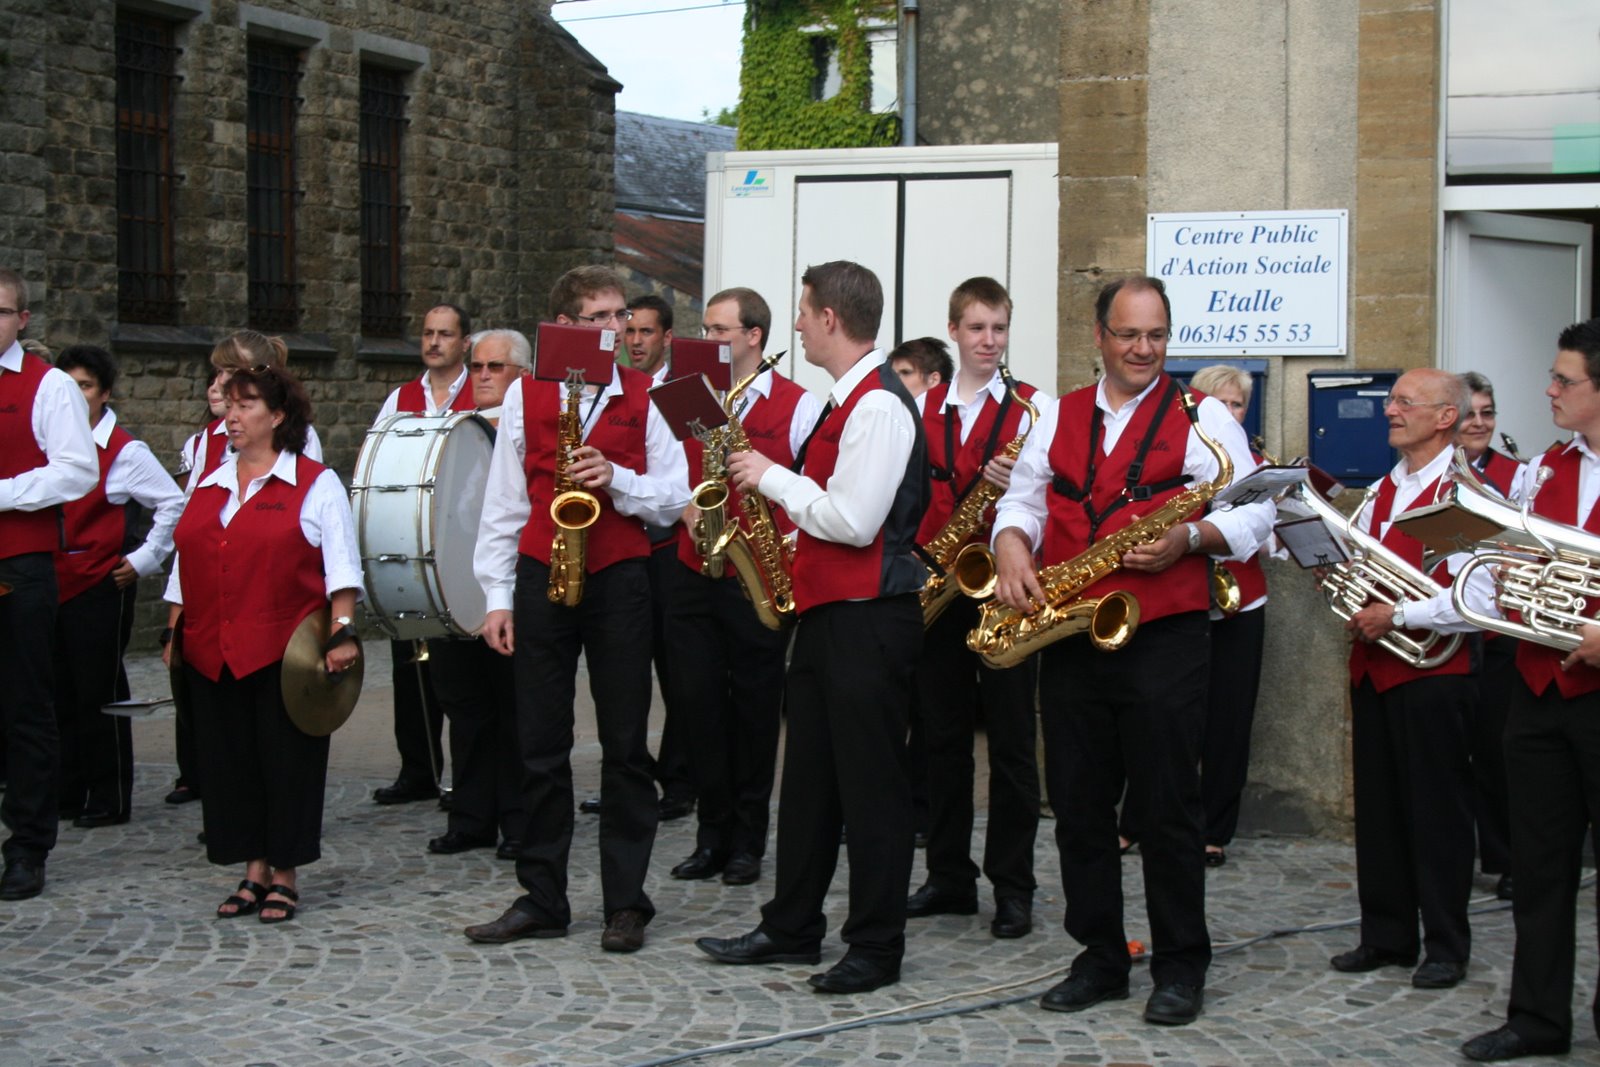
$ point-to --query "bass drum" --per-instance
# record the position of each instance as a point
(417, 498)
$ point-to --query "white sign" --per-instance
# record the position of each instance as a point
(1253, 282)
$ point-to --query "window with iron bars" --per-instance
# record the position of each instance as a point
(272, 104)
(383, 110)
(147, 61)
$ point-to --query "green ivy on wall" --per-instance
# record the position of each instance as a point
(775, 106)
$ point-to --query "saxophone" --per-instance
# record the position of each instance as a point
(949, 547)
(1004, 637)
(573, 510)
(710, 497)
(762, 557)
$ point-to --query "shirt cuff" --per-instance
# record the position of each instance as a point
(143, 560)
(498, 597)
(1024, 524)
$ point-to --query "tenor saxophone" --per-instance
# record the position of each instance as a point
(949, 548)
(573, 510)
(1004, 637)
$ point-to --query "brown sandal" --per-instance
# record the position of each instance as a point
(241, 905)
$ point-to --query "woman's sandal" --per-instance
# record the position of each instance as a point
(285, 906)
(241, 905)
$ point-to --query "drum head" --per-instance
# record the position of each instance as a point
(459, 481)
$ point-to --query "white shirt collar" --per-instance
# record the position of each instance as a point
(103, 428)
(1128, 408)
(222, 428)
(455, 386)
(1430, 471)
(846, 385)
(11, 360)
(995, 387)
(659, 375)
(285, 468)
(1582, 445)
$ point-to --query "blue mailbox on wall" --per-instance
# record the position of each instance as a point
(1348, 430)
(1184, 369)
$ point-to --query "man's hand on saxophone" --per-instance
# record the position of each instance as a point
(1016, 579)
(997, 472)
(589, 468)
(1173, 546)
(746, 469)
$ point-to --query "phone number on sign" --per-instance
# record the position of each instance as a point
(1212, 333)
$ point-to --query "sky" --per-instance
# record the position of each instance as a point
(674, 58)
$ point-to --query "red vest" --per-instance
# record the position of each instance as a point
(1372, 661)
(1499, 471)
(413, 399)
(618, 432)
(213, 446)
(24, 531)
(247, 585)
(766, 422)
(952, 476)
(1186, 585)
(1539, 665)
(95, 529)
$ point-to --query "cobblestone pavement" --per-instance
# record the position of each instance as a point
(120, 962)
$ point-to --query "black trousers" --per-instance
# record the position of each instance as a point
(418, 717)
(730, 694)
(673, 770)
(1230, 713)
(607, 626)
(33, 745)
(1133, 715)
(1552, 749)
(264, 778)
(952, 684)
(1413, 789)
(476, 689)
(92, 631)
(1486, 733)
(848, 697)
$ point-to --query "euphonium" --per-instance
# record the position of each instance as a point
(1004, 637)
(947, 546)
(573, 510)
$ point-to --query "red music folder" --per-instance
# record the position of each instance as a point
(689, 407)
(714, 359)
(561, 350)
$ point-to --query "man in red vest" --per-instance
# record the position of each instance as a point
(1413, 781)
(444, 387)
(635, 469)
(858, 498)
(97, 580)
(968, 422)
(728, 667)
(1100, 458)
(1552, 741)
(47, 459)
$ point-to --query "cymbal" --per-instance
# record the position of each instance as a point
(318, 703)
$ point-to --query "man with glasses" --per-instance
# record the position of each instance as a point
(1101, 457)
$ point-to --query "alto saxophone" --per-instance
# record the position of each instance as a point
(710, 499)
(949, 547)
(1004, 637)
(573, 510)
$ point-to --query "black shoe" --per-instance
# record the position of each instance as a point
(508, 850)
(754, 947)
(1365, 958)
(1081, 991)
(1506, 1044)
(1439, 974)
(624, 931)
(514, 925)
(702, 863)
(23, 879)
(89, 820)
(403, 792)
(590, 806)
(1216, 857)
(182, 794)
(1013, 917)
(675, 807)
(1173, 1004)
(742, 869)
(1503, 888)
(853, 974)
(931, 900)
(454, 841)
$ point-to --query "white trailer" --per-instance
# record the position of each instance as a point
(923, 219)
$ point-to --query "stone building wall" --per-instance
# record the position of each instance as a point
(987, 72)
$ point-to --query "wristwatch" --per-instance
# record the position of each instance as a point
(1398, 619)
(1194, 536)
(343, 620)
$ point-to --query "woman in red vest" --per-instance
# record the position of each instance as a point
(265, 540)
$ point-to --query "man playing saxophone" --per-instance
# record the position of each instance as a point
(1100, 458)
(974, 426)
(730, 684)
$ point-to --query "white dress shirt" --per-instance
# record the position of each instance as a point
(656, 496)
(391, 403)
(135, 475)
(312, 450)
(874, 448)
(60, 421)
(1025, 507)
(806, 410)
(325, 520)
(1588, 477)
(996, 388)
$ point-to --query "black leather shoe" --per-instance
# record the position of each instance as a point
(91, 819)
(754, 947)
(1173, 1004)
(25, 878)
(675, 807)
(931, 900)
(1506, 1044)
(514, 925)
(453, 841)
(624, 931)
(508, 850)
(1216, 857)
(1365, 958)
(1013, 917)
(1439, 974)
(742, 869)
(1503, 888)
(1080, 991)
(405, 792)
(590, 806)
(702, 863)
(853, 974)
(182, 794)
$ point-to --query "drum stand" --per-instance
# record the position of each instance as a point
(419, 656)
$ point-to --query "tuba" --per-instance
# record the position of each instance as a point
(1004, 637)
(949, 548)
(573, 510)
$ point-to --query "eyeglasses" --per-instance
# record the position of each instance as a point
(1486, 415)
(722, 331)
(600, 317)
(1563, 383)
(1131, 337)
(1405, 403)
(494, 366)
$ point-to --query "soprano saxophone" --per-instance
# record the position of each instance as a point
(573, 510)
(950, 548)
(1004, 637)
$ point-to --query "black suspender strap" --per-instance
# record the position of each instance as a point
(800, 457)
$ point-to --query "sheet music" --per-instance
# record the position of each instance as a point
(1310, 543)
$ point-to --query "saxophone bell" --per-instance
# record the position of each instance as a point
(710, 498)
